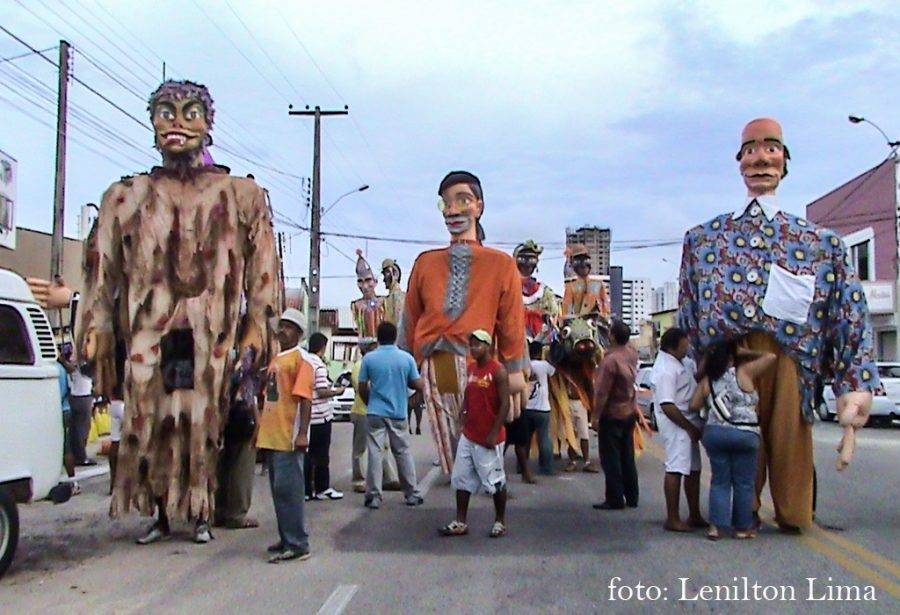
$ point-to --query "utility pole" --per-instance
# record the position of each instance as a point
(59, 191)
(315, 237)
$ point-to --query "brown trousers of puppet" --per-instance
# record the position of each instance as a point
(786, 448)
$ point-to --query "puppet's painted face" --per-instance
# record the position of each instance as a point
(582, 265)
(762, 165)
(526, 262)
(461, 209)
(388, 276)
(367, 286)
(578, 337)
(181, 126)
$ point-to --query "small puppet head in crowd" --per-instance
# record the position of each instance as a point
(527, 255)
(365, 279)
(182, 115)
(763, 156)
(391, 273)
(580, 259)
(462, 203)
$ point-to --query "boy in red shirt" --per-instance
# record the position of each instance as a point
(479, 455)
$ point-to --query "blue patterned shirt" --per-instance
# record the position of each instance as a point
(764, 269)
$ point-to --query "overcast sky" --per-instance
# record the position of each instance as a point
(624, 115)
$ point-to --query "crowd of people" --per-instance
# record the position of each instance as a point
(766, 298)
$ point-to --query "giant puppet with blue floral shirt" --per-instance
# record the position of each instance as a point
(180, 271)
(781, 284)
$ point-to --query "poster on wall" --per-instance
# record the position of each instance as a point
(8, 175)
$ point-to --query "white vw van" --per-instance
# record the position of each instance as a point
(31, 432)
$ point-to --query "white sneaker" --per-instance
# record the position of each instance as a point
(202, 534)
(330, 494)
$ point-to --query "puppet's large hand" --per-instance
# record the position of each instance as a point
(852, 412)
(101, 353)
(50, 295)
(518, 393)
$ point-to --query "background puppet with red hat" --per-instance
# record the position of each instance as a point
(781, 284)
(541, 309)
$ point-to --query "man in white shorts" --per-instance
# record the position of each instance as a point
(673, 385)
(478, 465)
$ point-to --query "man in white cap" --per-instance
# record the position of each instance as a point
(478, 465)
(284, 435)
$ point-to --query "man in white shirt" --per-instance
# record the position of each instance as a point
(673, 385)
(81, 399)
(536, 416)
(317, 461)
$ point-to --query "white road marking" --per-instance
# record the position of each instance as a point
(338, 600)
(427, 483)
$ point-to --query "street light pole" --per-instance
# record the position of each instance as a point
(894, 145)
(354, 191)
(315, 238)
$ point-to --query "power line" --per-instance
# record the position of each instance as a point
(239, 50)
(271, 60)
(77, 80)
(48, 94)
(51, 127)
(25, 55)
(118, 47)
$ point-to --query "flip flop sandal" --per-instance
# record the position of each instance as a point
(590, 468)
(498, 531)
(454, 528)
(571, 467)
(749, 535)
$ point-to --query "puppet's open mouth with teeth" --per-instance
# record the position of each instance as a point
(177, 138)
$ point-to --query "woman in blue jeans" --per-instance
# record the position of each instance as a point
(727, 395)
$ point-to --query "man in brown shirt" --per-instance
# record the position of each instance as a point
(615, 415)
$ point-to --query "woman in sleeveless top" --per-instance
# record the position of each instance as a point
(731, 436)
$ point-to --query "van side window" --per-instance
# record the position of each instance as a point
(15, 347)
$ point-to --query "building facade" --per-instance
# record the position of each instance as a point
(636, 300)
(665, 297)
(864, 213)
(597, 241)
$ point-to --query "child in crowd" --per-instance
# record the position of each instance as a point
(479, 455)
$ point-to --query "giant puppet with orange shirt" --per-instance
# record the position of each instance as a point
(453, 291)
(781, 284)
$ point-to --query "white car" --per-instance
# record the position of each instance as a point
(644, 394)
(31, 429)
(884, 407)
(341, 405)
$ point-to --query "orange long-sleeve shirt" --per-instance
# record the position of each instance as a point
(486, 294)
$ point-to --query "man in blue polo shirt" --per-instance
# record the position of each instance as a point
(385, 376)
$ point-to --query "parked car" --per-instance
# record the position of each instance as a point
(645, 394)
(884, 407)
(31, 431)
(340, 405)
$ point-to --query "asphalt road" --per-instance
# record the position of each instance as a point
(560, 555)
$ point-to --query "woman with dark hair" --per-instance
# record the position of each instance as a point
(731, 434)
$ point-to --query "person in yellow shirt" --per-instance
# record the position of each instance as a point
(358, 412)
(284, 435)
